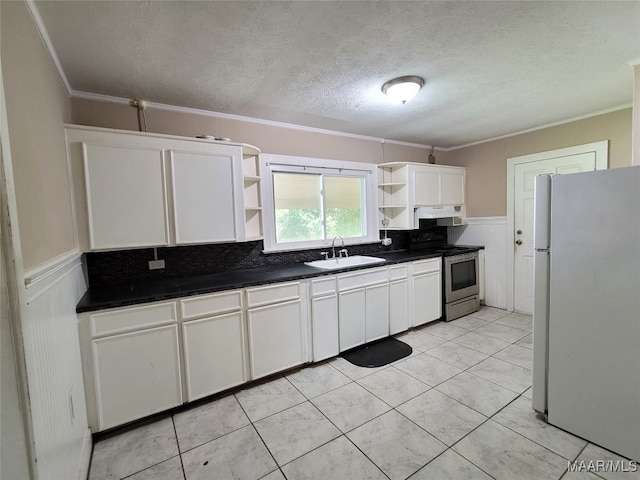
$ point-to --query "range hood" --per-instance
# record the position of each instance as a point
(448, 215)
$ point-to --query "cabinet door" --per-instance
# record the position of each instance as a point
(204, 205)
(324, 320)
(276, 339)
(214, 354)
(426, 188)
(427, 298)
(126, 198)
(399, 306)
(136, 374)
(352, 317)
(452, 189)
(377, 316)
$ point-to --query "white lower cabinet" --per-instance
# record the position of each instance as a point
(377, 306)
(399, 300)
(324, 318)
(144, 359)
(278, 331)
(136, 374)
(214, 343)
(214, 354)
(426, 291)
(363, 307)
(352, 308)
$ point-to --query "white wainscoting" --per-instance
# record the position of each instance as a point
(492, 233)
(52, 351)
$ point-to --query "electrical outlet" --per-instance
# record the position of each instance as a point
(156, 264)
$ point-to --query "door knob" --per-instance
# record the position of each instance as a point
(519, 232)
(518, 242)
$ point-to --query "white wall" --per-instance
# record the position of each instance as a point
(491, 232)
(14, 462)
(52, 351)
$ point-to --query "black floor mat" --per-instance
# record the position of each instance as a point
(379, 353)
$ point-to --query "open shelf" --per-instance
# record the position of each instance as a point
(252, 200)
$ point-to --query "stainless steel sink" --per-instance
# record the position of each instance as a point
(345, 262)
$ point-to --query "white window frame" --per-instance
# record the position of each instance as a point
(270, 163)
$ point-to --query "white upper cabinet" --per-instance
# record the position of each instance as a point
(135, 189)
(437, 191)
(126, 197)
(204, 204)
(426, 187)
(435, 186)
(452, 187)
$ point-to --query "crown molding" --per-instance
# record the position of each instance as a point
(542, 127)
(44, 34)
(259, 121)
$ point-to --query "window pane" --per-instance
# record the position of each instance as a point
(344, 206)
(297, 207)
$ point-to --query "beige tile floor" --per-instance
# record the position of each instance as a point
(458, 408)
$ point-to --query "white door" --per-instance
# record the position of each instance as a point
(524, 175)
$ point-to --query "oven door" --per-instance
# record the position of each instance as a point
(461, 276)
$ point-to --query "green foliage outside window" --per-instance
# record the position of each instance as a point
(295, 225)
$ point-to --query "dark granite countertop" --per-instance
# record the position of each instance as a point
(110, 297)
(101, 298)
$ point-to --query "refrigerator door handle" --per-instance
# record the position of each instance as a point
(541, 270)
(542, 212)
(540, 331)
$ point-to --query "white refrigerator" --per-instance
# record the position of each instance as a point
(586, 317)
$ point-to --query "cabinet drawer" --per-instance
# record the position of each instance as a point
(427, 266)
(132, 318)
(323, 286)
(361, 279)
(398, 272)
(273, 293)
(206, 305)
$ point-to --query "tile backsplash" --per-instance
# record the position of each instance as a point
(124, 267)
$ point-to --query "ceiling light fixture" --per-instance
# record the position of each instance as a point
(402, 89)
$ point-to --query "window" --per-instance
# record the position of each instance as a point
(308, 202)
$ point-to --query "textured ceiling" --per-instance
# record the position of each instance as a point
(491, 68)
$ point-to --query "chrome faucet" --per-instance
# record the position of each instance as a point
(333, 247)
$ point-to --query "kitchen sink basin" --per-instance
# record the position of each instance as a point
(345, 262)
